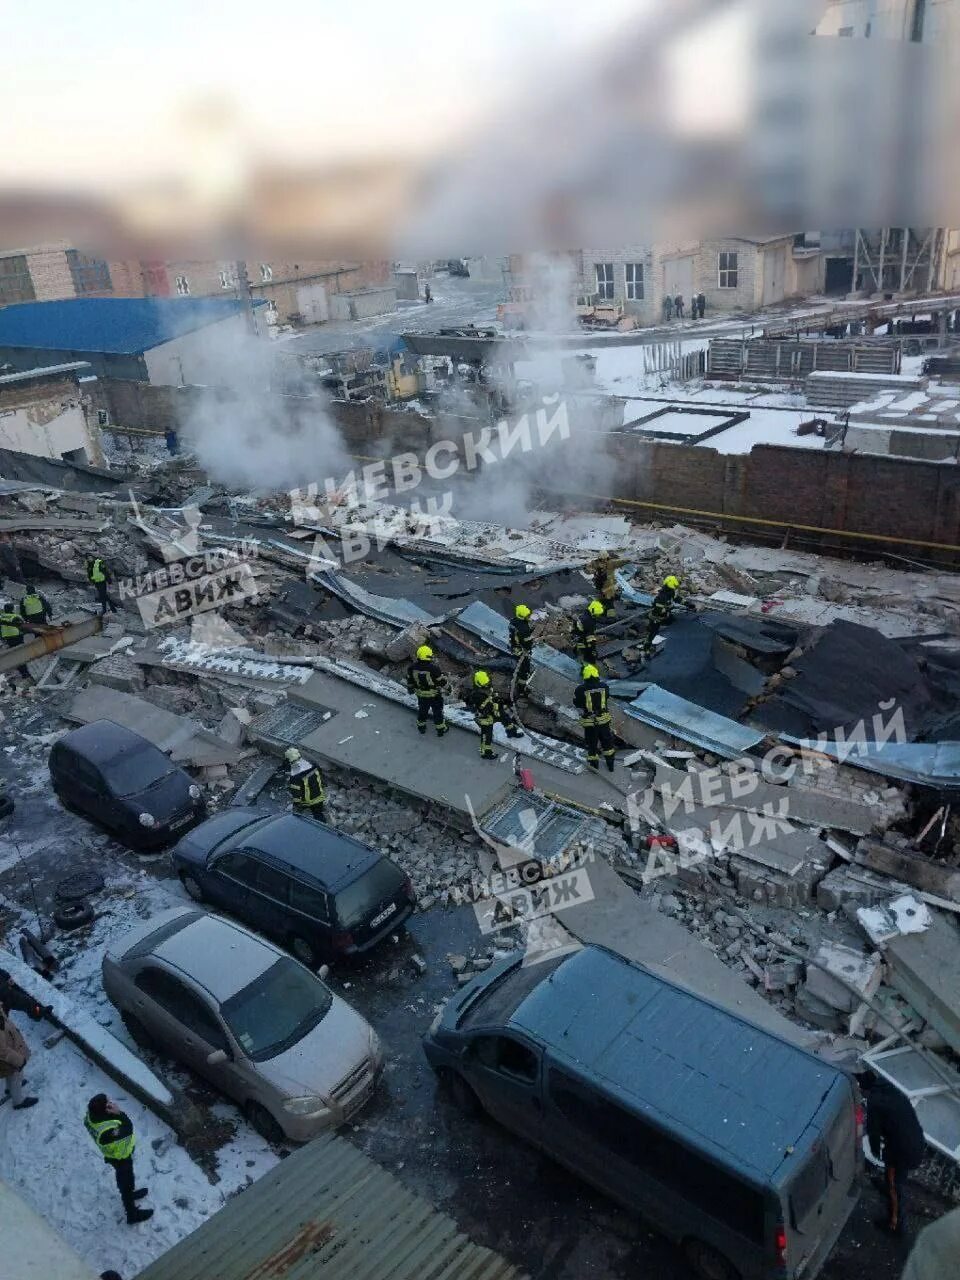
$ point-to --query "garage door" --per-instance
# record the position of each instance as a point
(312, 303)
(678, 278)
(774, 270)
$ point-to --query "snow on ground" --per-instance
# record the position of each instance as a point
(50, 1158)
(766, 425)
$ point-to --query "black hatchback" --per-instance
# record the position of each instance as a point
(123, 782)
(318, 892)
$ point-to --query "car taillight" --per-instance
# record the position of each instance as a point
(780, 1242)
(342, 941)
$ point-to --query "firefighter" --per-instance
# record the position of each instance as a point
(305, 785)
(35, 607)
(98, 575)
(11, 625)
(488, 707)
(591, 698)
(521, 646)
(585, 632)
(661, 611)
(604, 571)
(428, 683)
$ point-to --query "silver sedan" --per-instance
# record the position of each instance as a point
(242, 1013)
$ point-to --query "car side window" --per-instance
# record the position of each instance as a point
(507, 1056)
(240, 867)
(310, 901)
(182, 1004)
(84, 772)
(271, 882)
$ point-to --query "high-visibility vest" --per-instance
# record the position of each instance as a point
(11, 624)
(307, 787)
(118, 1149)
(425, 679)
(96, 571)
(32, 606)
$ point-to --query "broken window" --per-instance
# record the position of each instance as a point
(183, 286)
(727, 270)
(226, 279)
(634, 272)
(605, 280)
(507, 1056)
(266, 272)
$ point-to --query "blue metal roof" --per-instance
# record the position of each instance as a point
(116, 326)
(726, 1085)
(665, 711)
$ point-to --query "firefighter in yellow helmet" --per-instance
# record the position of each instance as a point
(305, 786)
(603, 570)
(428, 683)
(521, 646)
(592, 699)
(585, 632)
(661, 611)
(488, 707)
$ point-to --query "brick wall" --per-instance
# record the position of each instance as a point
(50, 274)
(648, 309)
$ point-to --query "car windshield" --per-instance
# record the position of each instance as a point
(369, 891)
(276, 1010)
(136, 770)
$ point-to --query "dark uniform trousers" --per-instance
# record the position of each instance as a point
(521, 644)
(488, 710)
(126, 1184)
(591, 700)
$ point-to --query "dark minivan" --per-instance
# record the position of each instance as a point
(320, 893)
(125, 783)
(742, 1147)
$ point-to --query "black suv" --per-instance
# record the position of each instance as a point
(318, 892)
(124, 783)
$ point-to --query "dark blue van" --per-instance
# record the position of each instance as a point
(742, 1147)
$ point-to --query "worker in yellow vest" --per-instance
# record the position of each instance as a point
(98, 575)
(112, 1131)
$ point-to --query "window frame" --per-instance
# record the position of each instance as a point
(266, 272)
(182, 286)
(180, 1012)
(219, 867)
(603, 274)
(726, 269)
(297, 885)
(493, 1061)
(631, 285)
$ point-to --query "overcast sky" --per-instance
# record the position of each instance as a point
(100, 92)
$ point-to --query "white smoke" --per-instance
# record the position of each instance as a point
(265, 425)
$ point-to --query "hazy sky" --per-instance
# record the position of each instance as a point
(98, 93)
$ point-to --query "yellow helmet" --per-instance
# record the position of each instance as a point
(481, 678)
(424, 653)
(671, 581)
(596, 608)
(292, 755)
(521, 611)
(590, 672)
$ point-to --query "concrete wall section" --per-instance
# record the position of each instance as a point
(195, 358)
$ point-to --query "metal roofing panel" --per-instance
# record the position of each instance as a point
(398, 613)
(694, 724)
(118, 326)
(45, 371)
(328, 1211)
(932, 764)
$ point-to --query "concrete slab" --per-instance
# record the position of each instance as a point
(925, 969)
(618, 919)
(914, 869)
(837, 969)
(377, 736)
(185, 740)
(855, 887)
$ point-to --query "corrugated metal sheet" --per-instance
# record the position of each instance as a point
(328, 1211)
(931, 764)
(397, 612)
(694, 724)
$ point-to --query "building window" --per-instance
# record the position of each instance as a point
(605, 280)
(845, 31)
(635, 281)
(226, 281)
(89, 275)
(15, 282)
(727, 270)
(266, 272)
(103, 417)
(183, 286)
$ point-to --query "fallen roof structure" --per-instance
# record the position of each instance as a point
(186, 741)
(687, 720)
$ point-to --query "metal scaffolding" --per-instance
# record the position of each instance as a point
(900, 259)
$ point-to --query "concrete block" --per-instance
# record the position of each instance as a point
(863, 972)
(118, 672)
(925, 969)
(233, 727)
(816, 1011)
(855, 887)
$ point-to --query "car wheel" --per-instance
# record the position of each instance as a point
(138, 1033)
(305, 952)
(708, 1263)
(73, 915)
(263, 1122)
(192, 886)
(461, 1093)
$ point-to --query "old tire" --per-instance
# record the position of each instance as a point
(460, 1093)
(191, 886)
(707, 1263)
(73, 915)
(305, 952)
(77, 884)
(263, 1122)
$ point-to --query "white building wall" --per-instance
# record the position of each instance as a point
(36, 431)
(198, 358)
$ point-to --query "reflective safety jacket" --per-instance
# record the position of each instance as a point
(521, 637)
(485, 706)
(425, 679)
(113, 1136)
(585, 627)
(591, 700)
(306, 787)
(96, 570)
(11, 624)
(35, 606)
(665, 599)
